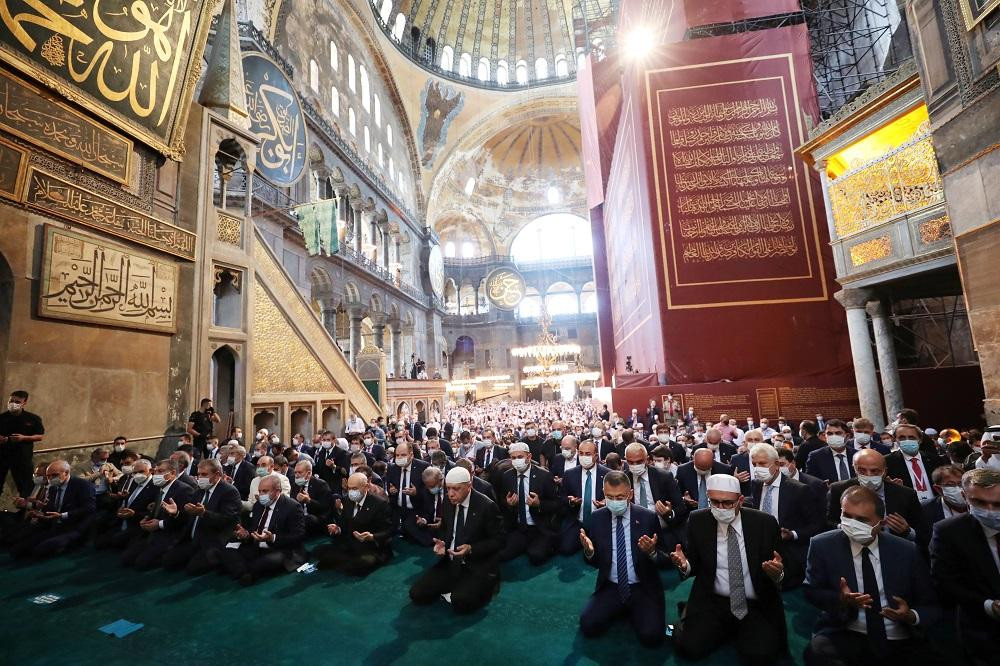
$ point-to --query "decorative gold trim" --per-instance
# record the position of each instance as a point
(971, 19)
(22, 172)
(871, 250)
(72, 157)
(229, 229)
(932, 231)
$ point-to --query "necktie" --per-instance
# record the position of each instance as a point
(642, 492)
(702, 493)
(132, 496)
(765, 506)
(437, 508)
(458, 538)
(588, 502)
(918, 475)
(59, 498)
(624, 591)
(404, 477)
(842, 473)
(263, 519)
(737, 592)
(488, 457)
(522, 506)
(204, 501)
(876, 626)
(40, 493)
(159, 504)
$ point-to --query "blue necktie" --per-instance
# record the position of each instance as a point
(623, 589)
(702, 493)
(588, 503)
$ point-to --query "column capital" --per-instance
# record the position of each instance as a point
(356, 311)
(379, 319)
(876, 308)
(851, 298)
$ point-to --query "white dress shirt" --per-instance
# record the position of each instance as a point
(286, 489)
(642, 481)
(627, 524)
(525, 480)
(454, 525)
(775, 493)
(894, 631)
(583, 490)
(927, 494)
(722, 559)
(569, 463)
(836, 464)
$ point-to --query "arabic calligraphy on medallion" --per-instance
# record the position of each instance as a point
(505, 288)
(38, 117)
(131, 62)
(276, 119)
(85, 279)
(64, 199)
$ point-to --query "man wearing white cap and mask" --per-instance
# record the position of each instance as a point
(472, 535)
(531, 508)
(732, 554)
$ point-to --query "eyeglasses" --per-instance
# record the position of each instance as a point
(724, 504)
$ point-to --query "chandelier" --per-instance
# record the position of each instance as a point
(552, 360)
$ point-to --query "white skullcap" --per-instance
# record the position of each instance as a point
(724, 482)
(519, 446)
(233, 442)
(458, 475)
(931, 432)
(341, 440)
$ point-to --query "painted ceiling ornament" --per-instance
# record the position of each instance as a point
(439, 104)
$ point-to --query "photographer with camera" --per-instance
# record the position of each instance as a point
(201, 426)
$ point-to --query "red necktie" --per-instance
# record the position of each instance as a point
(918, 476)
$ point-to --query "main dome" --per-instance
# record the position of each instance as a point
(501, 44)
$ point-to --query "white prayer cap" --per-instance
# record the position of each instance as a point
(458, 475)
(519, 446)
(724, 482)
(342, 441)
(233, 442)
(931, 432)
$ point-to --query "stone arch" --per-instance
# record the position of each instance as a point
(352, 295)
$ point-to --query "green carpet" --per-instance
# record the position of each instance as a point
(319, 617)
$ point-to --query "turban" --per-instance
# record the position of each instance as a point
(458, 475)
(724, 482)
(518, 446)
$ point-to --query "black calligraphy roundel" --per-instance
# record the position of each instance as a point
(276, 119)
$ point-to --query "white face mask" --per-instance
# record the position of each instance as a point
(762, 473)
(873, 482)
(953, 495)
(786, 471)
(862, 439)
(231, 460)
(660, 464)
(663, 438)
(39, 480)
(857, 531)
(14, 406)
(301, 481)
(568, 454)
(637, 470)
(140, 478)
(355, 495)
(724, 516)
(159, 480)
(203, 482)
(587, 461)
(835, 441)
(402, 461)
(596, 432)
(520, 464)
(530, 432)
(126, 469)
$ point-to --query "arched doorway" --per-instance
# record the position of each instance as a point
(224, 385)
(331, 419)
(301, 422)
(465, 352)
(265, 418)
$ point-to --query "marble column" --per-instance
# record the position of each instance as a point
(397, 348)
(885, 347)
(356, 318)
(378, 326)
(854, 302)
(329, 318)
(385, 248)
(358, 235)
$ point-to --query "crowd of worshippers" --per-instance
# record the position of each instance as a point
(890, 535)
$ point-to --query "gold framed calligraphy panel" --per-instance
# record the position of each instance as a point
(90, 280)
(134, 64)
(61, 198)
(39, 118)
(13, 167)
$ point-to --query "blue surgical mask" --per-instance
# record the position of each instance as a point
(265, 500)
(909, 447)
(262, 471)
(436, 490)
(617, 507)
(986, 517)
(556, 434)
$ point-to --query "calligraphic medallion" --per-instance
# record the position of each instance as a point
(88, 279)
(505, 288)
(276, 119)
(134, 63)
(435, 270)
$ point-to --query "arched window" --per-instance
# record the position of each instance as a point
(503, 75)
(381, 156)
(449, 249)
(377, 110)
(352, 122)
(541, 68)
(470, 186)
(335, 101)
(334, 56)
(531, 305)
(392, 166)
(447, 58)
(484, 70)
(561, 299)
(388, 135)
(366, 101)
(465, 65)
(468, 250)
(397, 29)
(555, 236)
(562, 66)
(368, 140)
(385, 11)
(350, 74)
(588, 298)
(521, 72)
(314, 75)
(467, 300)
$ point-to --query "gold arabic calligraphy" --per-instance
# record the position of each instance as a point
(505, 289)
(752, 247)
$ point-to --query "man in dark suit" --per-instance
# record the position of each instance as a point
(565, 458)
(139, 493)
(269, 540)
(654, 416)
(403, 477)
(429, 505)
(865, 437)
(238, 470)
(360, 533)
(721, 451)
(692, 478)
(904, 518)
(622, 544)
(332, 462)
(733, 555)
(212, 513)
(677, 451)
(911, 466)
(63, 520)
(531, 508)
(873, 590)
(582, 493)
(371, 448)
(809, 432)
(792, 504)
(490, 453)
(965, 565)
(786, 460)
(949, 500)
(160, 528)
(484, 484)
(832, 462)
(184, 467)
(657, 491)
(468, 567)
(314, 496)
